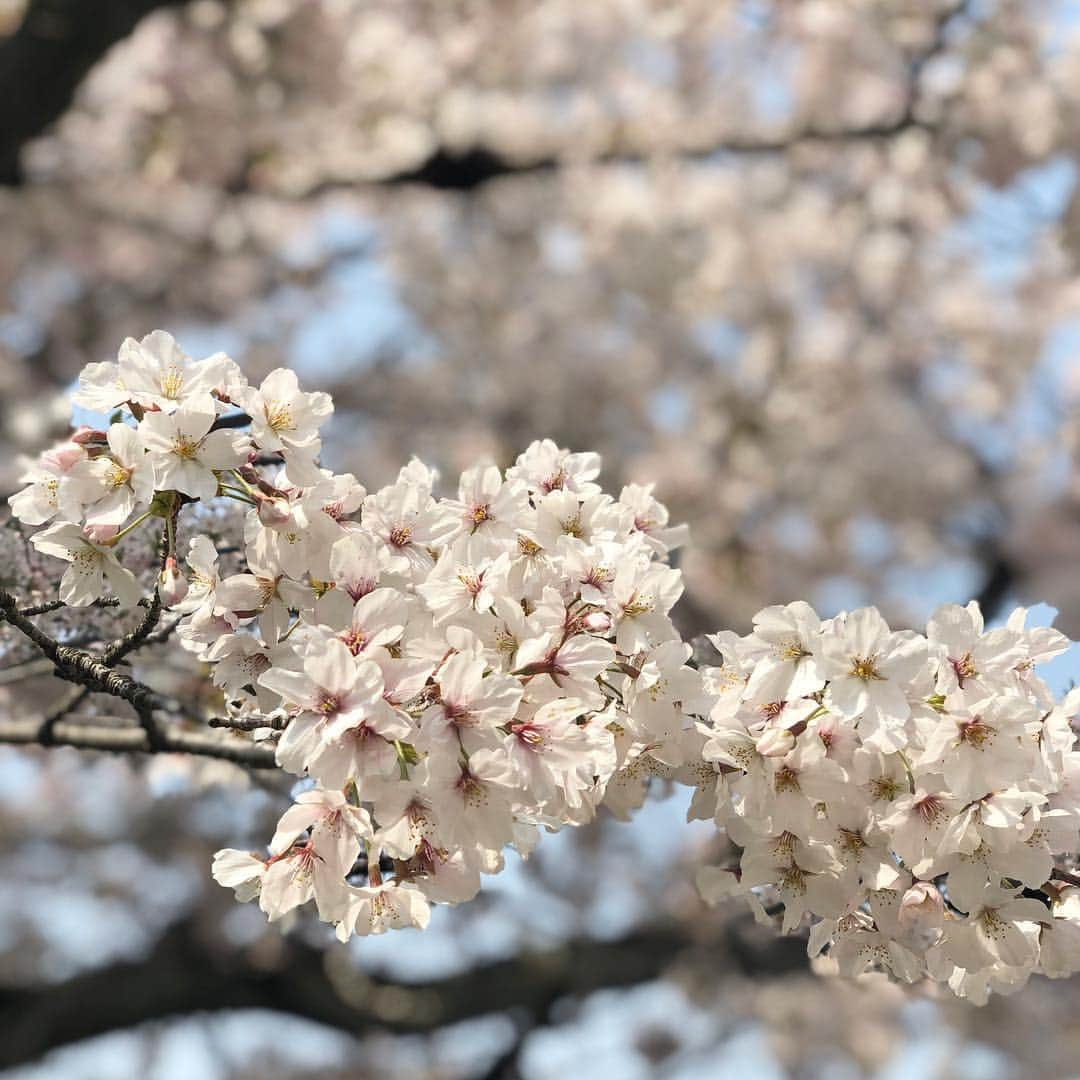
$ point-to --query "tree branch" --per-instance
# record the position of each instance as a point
(134, 740)
(43, 62)
(184, 974)
(58, 42)
(71, 700)
(92, 673)
(77, 666)
(137, 637)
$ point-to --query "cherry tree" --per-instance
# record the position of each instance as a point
(449, 676)
(807, 269)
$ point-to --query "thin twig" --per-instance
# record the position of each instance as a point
(120, 648)
(56, 605)
(247, 723)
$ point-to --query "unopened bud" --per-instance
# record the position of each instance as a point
(597, 622)
(922, 906)
(62, 457)
(172, 585)
(273, 511)
(85, 434)
(775, 742)
(100, 534)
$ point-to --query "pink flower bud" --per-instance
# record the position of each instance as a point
(775, 742)
(273, 511)
(597, 622)
(100, 534)
(922, 907)
(63, 456)
(172, 585)
(84, 434)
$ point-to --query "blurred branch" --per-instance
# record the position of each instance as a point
(74, 697)
(133, 740)
(26, 669)
(998, 584)
(43, 62)
(468, 169)
(184, 974)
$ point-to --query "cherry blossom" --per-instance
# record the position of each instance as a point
(449, 676)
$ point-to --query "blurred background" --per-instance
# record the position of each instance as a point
(810, 266)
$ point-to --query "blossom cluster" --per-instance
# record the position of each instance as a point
(907, 792)
(449, 674)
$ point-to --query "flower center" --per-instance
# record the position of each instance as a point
(637, 605)
(791, 649)
(355, 639)
(865, 668)
(472, 581)
(884, 787)
(117, 475)
(472, 791)
(186, 447)
(975, 733)
(531, 737)
(279, 417)
(172, 382)
(328, 703)
(555, 482)
(964, 668)
(930, 809)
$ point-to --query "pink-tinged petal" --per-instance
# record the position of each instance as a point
(294, 687)
(332, 667)
(294, 821)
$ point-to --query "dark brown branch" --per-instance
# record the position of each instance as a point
(470, 169)
(74, 697)
(58, 42)
(134, 740)
(247, 723)
(86, 669)
(184, 974)
(43, 62)
(57, 605)
(137, 637)
(231, 420)
(1000, 580)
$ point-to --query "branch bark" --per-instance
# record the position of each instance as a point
(184, 974)
(134, 740)
(42, 64)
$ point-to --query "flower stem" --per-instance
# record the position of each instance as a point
(127, 528)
